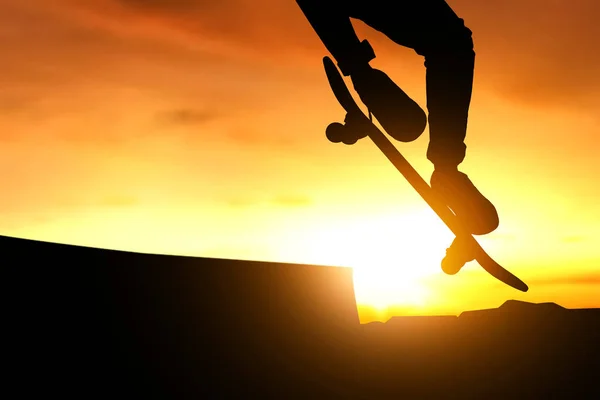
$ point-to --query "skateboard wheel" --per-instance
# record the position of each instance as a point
(349, 140)
(449, 268)
(335, 132)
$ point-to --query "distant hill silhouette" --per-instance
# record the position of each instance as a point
(83, 322)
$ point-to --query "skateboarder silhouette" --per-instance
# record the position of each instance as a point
(434, 31)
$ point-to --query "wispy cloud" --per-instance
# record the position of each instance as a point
(255, 136)
(187, 116)
(537, 52)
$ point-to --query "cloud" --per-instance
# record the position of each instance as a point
(187, 116)
(186, 6)
(265, 25)
(100, 71)
(62, 63)
(537, 52)
(255, 136)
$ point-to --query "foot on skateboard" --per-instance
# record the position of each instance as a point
(397, 113)
(476, 212)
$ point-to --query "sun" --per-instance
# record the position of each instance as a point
(391, 254)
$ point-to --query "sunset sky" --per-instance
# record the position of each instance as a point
(197, 128)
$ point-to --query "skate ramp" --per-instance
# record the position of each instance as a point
(91, 319)
(84, 322)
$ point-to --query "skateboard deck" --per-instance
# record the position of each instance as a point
(357, 117)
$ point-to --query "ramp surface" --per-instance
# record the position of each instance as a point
(101, 318)
(84, 323)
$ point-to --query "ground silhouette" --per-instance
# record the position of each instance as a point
(82, 322)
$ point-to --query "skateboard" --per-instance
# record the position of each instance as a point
(357, 121)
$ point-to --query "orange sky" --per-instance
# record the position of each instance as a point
(192, 127)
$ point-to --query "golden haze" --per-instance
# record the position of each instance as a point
(167, 127)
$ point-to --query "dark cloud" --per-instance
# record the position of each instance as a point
(187, 116)
(85, 78)
(238, 130)
(266, 26)
(175, 5)
(537, 52)
(543, 53)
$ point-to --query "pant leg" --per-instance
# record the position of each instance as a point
(450, 64)
(434, 31)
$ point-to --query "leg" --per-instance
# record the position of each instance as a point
(400, 116)
(438, 34)
(446, 43)
(433, 30)
(449, 80)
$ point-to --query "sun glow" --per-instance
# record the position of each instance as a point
(391, 254)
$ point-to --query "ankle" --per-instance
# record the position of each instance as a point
(445, 168)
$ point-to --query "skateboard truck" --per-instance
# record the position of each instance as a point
(351, 131)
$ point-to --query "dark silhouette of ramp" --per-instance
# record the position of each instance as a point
(82, 323)
(92, 320)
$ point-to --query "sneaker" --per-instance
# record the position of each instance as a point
(399, 115)
(477, 213)
(457, 255)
